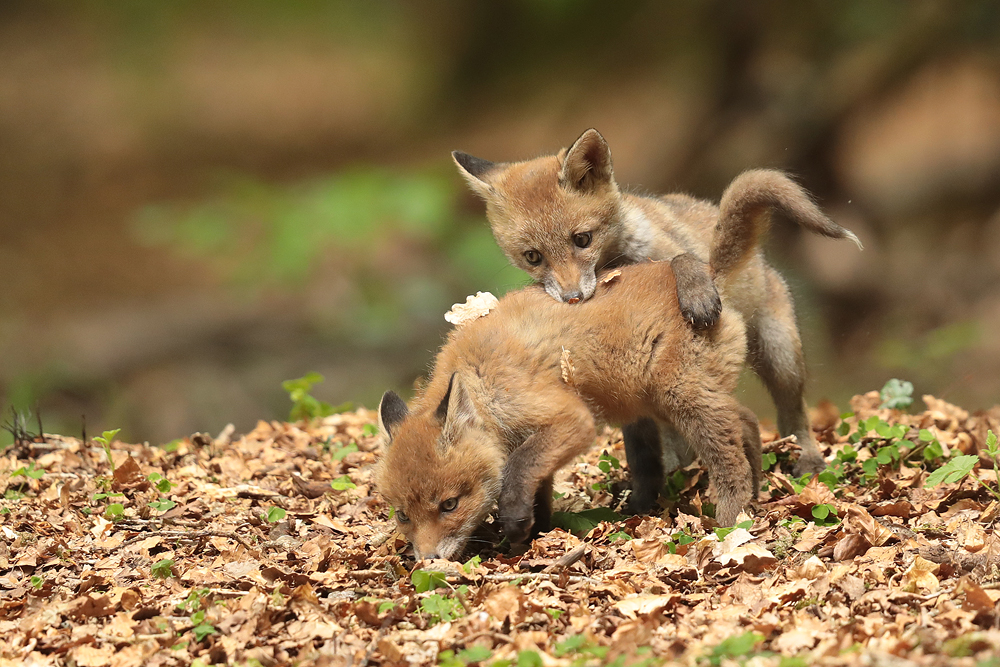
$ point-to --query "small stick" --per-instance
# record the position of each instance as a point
(781, 441)
(188, 535)
(568, 559)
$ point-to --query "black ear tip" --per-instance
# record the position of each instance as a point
(391, 410)
(472, 164)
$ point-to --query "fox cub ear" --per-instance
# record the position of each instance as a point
(391, 410)
(456, 410)
(587, 164)
(475, 170)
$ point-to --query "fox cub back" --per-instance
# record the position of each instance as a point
(516, 395)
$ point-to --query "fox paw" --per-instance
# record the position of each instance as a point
(701, 310)
(808, 464)
(518, 529)
(516, 516)
(696, 293)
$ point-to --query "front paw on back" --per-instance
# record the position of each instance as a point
(701, 307)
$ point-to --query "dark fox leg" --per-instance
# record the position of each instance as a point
(712, 423)
(696, 293)
(776, 355)
(532, 464)
(543, 508)
(645, 463)
(752, 446)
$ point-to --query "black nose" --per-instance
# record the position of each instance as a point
(573, 297)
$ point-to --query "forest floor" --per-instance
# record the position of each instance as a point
(274, 548)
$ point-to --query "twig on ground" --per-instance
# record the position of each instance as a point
(187, 535)
(568, 558)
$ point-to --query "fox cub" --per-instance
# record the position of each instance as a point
(563, 219)
(515, 395)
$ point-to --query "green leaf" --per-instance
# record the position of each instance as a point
(107, 437)
(343, 483)
(821, 511)
(37, 582)
(870, 423)
(202, 631)
(426, 580)
(341, 452)
(991, 443)
(619, 537)
(883, 456)
(585, 521)
(471, 564)
(275, 514)
(388, 605)
(114, 511)
(897, 394)
(529, 659)
(933, 451)
(31, 471)
(870, 467)
(475, 654)
(554, 613)
(162, 569)
(926, 436)
(952, 471)
(162, 505)
(734, 647)
(570, 645)
(369, 430)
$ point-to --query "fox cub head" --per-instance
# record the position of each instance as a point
(441, 471)
(557, 217)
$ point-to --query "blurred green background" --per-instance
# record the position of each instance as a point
(201, 199)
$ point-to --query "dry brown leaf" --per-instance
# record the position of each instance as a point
(644, 605)
(920, 576)
(975, 598)
(505, 603)
(610, 275)
(474, 307)
(750, 557)
(568, 371)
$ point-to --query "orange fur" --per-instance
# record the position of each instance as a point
(497, 409)
(538, 208)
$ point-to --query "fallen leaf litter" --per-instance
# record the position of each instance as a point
(903, 575)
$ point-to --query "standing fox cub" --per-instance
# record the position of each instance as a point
(563, 219)
(514, 396)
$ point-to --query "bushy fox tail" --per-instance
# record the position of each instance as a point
(744, 215)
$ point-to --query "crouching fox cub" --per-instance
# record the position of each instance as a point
(515, 395)
(563, 219)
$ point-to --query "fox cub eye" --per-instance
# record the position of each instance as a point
(582, 240)
(401, 515)
(533, 256)
(449, 505)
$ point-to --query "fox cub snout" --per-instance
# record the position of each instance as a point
(554, 218)
(437, 473)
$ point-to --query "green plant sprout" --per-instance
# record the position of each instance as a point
(961, 467)
(105, 440)
(306, 407)
(896, 394)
